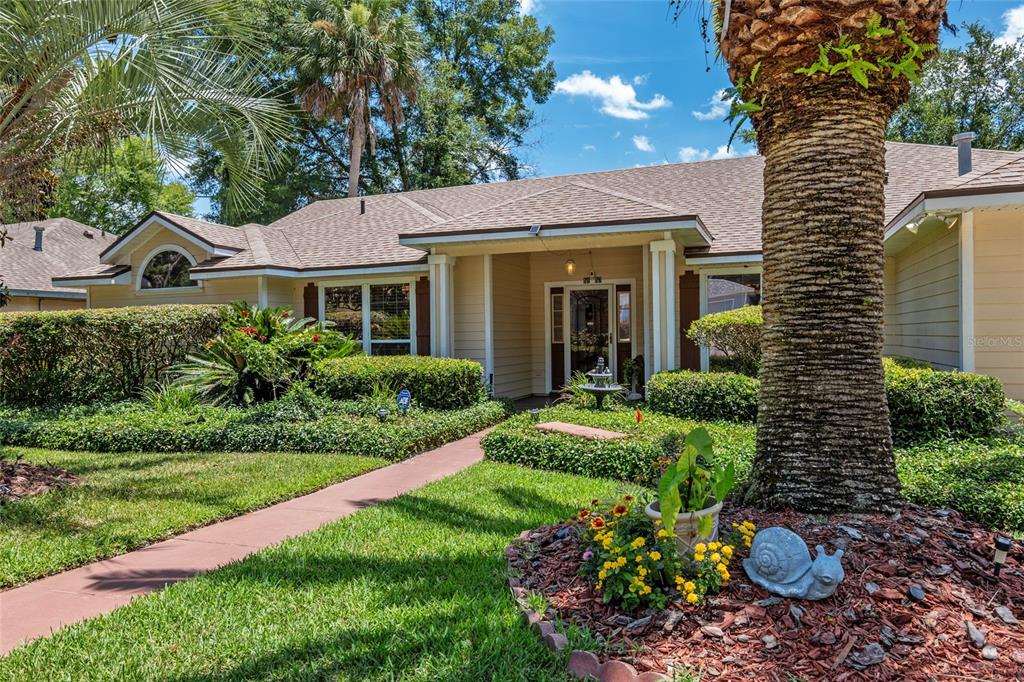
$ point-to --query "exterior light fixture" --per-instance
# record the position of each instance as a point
(570, 267)
(1003, 546)
(382, 414)
(535, 414)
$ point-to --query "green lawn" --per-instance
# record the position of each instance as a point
(412, 589)
(124, 501)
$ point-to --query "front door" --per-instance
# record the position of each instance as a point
(589, 324)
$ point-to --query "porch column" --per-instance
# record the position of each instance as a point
(663, 305)
(442, 305)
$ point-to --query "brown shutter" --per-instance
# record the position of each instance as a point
(423, 316)
(689, 310)
(311, 301)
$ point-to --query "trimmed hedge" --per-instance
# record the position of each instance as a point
(634, 458)
(736, 333)
(435, 383)
(924, 404)
(704, 395)
(80, 356)
(135, 427)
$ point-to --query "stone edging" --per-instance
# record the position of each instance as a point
(582, 665)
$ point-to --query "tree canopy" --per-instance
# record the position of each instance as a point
(484, 67)
(112, 192)
(978, 87)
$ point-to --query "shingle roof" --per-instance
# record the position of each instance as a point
(66, 248)
(725, 195)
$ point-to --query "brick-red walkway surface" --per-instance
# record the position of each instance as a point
(41, 607)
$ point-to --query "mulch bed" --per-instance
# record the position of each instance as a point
(870, 629)
(22, 479)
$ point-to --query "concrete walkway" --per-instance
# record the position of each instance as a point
(41, 607)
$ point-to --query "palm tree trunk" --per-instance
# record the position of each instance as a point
(355, 156)
(823, 439)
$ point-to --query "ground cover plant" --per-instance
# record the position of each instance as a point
(981, 477)
(410, 589)
(120, 502)
(299, 422)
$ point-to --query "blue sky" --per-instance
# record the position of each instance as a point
(633, 87)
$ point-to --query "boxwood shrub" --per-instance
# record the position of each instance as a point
(704, 395)
(435, 383)
(135, 427)
(634, 458)
(924, 403)
(80, 356)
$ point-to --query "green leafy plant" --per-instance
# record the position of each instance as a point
(735, 333)
(694, 479)
(435, 383)
(741, 106)
(259, 354)
(170, 397)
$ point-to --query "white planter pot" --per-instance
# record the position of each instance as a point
(687, 523)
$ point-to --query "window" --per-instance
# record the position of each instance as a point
(379, 315)
(557, 330)
(167, 269)
(344, 307)
(726, 292)
(625, 316)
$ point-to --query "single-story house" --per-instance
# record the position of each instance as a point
(537, 278)
(40, 250)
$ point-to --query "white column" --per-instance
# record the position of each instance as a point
(263, 294)
(442, 306)
(488, 321)
(967, 291)
(645, 256)
(705, 352)
(663, 304)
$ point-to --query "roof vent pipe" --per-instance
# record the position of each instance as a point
(362, 206)
(39, 238)
(963, 145)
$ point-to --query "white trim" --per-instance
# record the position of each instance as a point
(547, 232)
(364, 293)
(548, 360)
(955, 204)
(153, 254)
(967, 291)
(705, 352)
(365, 305)
(321, 301)
(442, 302)
(155, 219)
(313, 274)
(37, 293)
(412, 318)
(648, 327)
(488, 321)
(724, 259)
(656, 310)
(123, 278)
(262, 292)
(671, 303)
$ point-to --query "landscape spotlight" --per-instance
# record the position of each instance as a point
(1003, 546)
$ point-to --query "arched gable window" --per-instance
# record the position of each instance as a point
(167, 267)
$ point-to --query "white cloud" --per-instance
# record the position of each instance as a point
(589, 148)
(642, 143)
(640, 79)
(688, 154)
(1014, 29)
(718, 107)
(617, 98)
(527, 7)
(617, 135)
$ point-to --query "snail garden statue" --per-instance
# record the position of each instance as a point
(781, 563)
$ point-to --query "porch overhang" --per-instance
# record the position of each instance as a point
(687, 230)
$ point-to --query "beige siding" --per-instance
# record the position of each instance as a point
(285, 292)
(19, 304)
(999, 297)
(619, 263)
(469, 308)
(512, 322)
(922, 306)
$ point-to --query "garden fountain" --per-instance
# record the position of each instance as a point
(601, 384)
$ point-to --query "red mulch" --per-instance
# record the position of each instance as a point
(745, 634)
(22, 479)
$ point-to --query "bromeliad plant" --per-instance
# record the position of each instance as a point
(259, 354)
(694, 480)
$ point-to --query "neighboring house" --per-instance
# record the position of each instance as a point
(41, 250)
(537, 278)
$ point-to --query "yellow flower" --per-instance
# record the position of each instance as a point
(607, 543)
(714, 546)
(748, 524)
(602, 574)
(655, 556)
(698, 557)
(639, 542)
(599, 585)
(688, 586)
(662, 533)
(621, 561)
(722, 568)
(700, 548)
(725, 576)
(657, 522)
(735, 525)
(646, 590)
(716, 557)
(692, 598)
(638, 558)
(643, 572)
(747, 542)
(727, 551)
